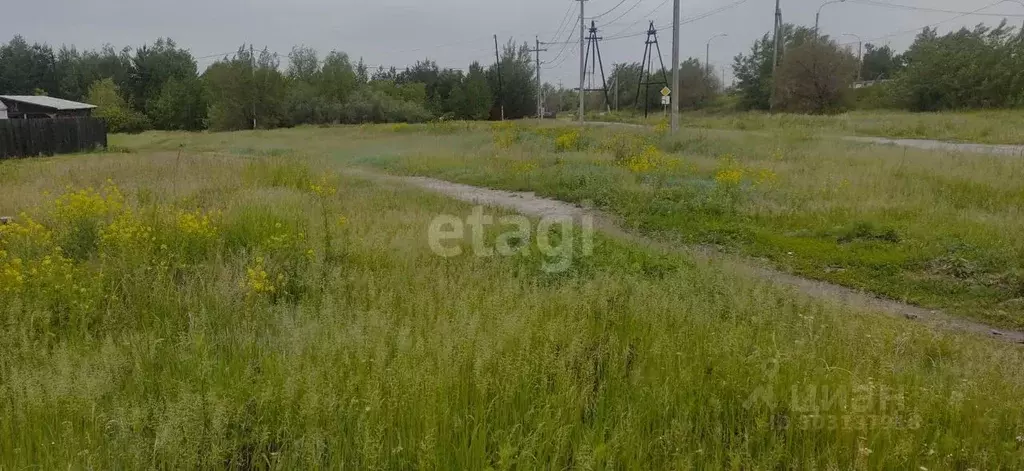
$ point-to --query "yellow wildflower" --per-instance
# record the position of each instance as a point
(569, 141)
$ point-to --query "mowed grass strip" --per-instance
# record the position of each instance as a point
(260, 312)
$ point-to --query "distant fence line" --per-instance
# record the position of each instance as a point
(35, 137)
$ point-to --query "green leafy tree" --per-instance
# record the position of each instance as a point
(969, 68)
(152, 67)
(880, 63)
(181, 105)
(112, 107)
(474, 98)
(305, 105)
(815, 77)
(338, 80)
(236, 89)
(515, 86)
(25, 68)
(73, 83)
(753, 71)
(699, 85)
(303, 64)
(632, 94)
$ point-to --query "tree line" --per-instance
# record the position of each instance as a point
(160, 86)
(971, 68)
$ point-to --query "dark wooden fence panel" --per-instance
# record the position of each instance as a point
(35, 137)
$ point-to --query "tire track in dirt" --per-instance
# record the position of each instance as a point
(532, 205)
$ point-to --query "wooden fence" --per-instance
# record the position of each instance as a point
(35, 137)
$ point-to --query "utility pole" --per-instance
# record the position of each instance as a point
(860, 56)
(675, 65)
(777, 45)
(252, 67)
(583, 61)
(497, 67)
(540, 97)
(651, 44)
(594, 44)
(616, 80)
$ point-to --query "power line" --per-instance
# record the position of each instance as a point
(562, 25)
(915, 30)
(692, 19)
(556, 62)
(564, 44)
(932, 10)
(623, 15)
(648, 15)
(609, 11)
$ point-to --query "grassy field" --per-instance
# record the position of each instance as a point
(245, 304)
(987, 127)
(934, 229)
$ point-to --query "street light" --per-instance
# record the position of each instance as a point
(817, 17)
(860, 54)
(707, 56)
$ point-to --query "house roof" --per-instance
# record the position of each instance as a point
(48, 102)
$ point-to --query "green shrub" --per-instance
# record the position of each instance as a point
(113, 108)
(371, 106)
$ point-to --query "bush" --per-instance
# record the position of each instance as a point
(113, 108)
(370, 106)
(815, 77)
(876, 97)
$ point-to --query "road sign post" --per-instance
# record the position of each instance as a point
(666, 98)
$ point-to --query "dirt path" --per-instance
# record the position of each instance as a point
(533, 205)
(928, 144)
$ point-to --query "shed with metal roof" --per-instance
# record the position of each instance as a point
(28, 107)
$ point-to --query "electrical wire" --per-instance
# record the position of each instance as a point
(563, 24)
(565, 44)
(623, 15)
(642, 18)
(683, 21)
(915, 30)
(616, 7)
(932, 10)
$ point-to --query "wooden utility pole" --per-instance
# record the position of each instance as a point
(583, 62)
(501, 86)
(540, 95)
(252, 66)
(594, 44)
(651, 44)
(776, 50)
(675, 65)
(615, 79)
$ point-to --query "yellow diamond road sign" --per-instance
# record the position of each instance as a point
(666, 91)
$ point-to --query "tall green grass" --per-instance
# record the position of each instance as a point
(936, 229)
(989, 127)
(379, 354)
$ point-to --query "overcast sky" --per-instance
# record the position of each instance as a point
(456, 32)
